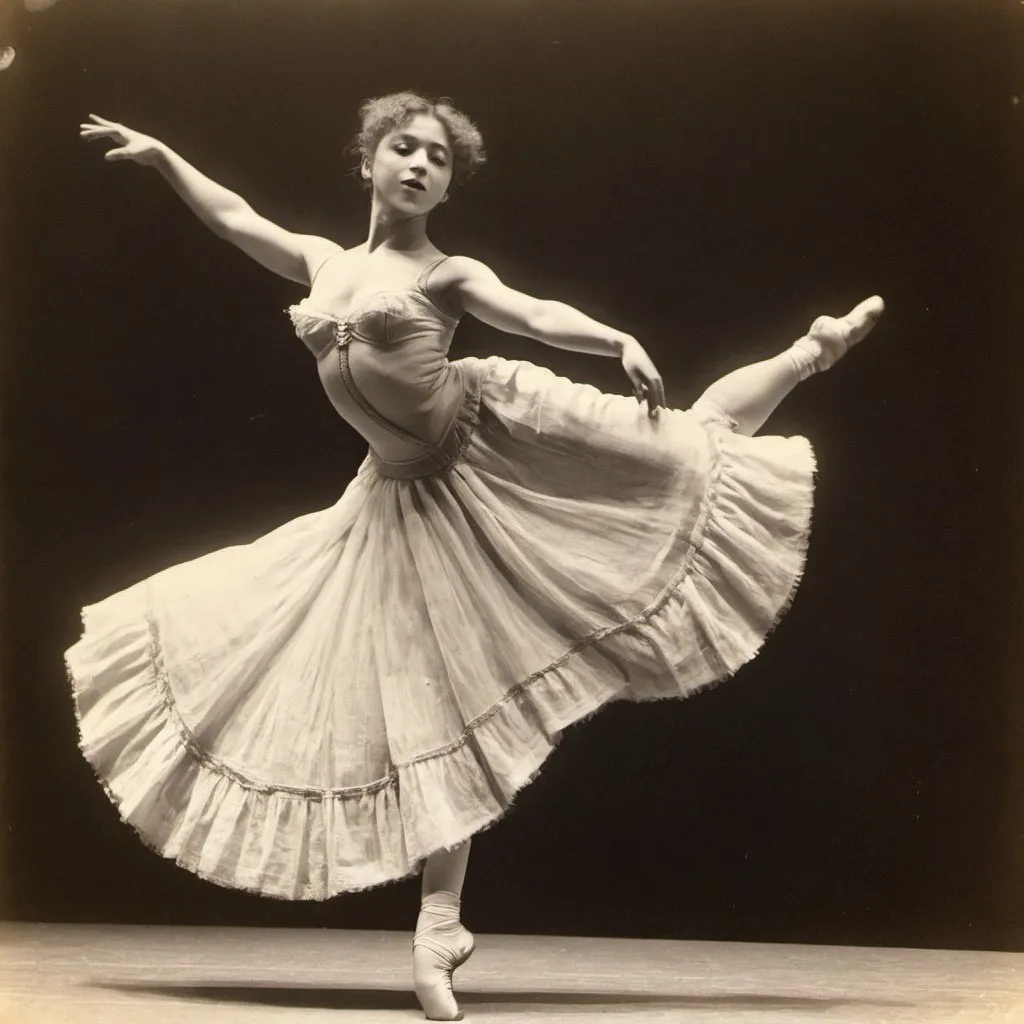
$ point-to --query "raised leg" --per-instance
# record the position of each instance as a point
(441, 943)
(749, 395)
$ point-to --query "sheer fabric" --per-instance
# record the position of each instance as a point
(317, 711)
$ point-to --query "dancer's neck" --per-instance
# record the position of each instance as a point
(394, 231)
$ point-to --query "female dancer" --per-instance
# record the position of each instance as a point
(354, 695)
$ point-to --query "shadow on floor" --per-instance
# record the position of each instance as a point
(302, 997)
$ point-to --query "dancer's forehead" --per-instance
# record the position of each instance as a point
(425, 129)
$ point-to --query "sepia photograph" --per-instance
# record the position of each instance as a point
(511, 511)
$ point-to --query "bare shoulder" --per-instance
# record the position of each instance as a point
(316, 251)
(453, 280)
(457, 272)
(456, 269)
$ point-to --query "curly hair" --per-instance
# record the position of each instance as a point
(385, 114)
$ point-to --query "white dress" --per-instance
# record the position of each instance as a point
(317, 711)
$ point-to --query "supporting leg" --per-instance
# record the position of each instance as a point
(752, 393)
(445, 871)
(442, 943)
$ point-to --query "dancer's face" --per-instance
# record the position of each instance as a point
(412, 167)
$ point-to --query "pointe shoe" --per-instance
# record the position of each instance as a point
(830, 338)
(441, 945)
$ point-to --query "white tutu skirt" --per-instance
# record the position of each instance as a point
(319, 710)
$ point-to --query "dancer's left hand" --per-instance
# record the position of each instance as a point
(647, 382)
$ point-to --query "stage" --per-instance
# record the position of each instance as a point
(52, 974)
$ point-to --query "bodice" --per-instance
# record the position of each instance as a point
(389, 377)
(389, 319)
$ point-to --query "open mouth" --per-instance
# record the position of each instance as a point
(414, 183)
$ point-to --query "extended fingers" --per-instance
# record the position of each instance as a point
(92, 131)
(99, 127)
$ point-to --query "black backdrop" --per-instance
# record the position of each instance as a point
(708, 175)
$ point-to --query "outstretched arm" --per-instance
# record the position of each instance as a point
(225, 213)
(477, 290)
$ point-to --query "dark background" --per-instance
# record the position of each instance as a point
(707, 175)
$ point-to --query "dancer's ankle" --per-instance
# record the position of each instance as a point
(805, 355)
(441, 898)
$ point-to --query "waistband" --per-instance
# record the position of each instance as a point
(446, 453)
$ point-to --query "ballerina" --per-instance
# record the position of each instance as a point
(347, 700)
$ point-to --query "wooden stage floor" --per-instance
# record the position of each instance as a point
(101, 974)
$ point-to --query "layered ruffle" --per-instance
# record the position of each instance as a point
(317, 711)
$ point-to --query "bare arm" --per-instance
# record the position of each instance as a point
(230, 217)
(225, 213)
(478, 290)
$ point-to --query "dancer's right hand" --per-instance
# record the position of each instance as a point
(131, 145)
